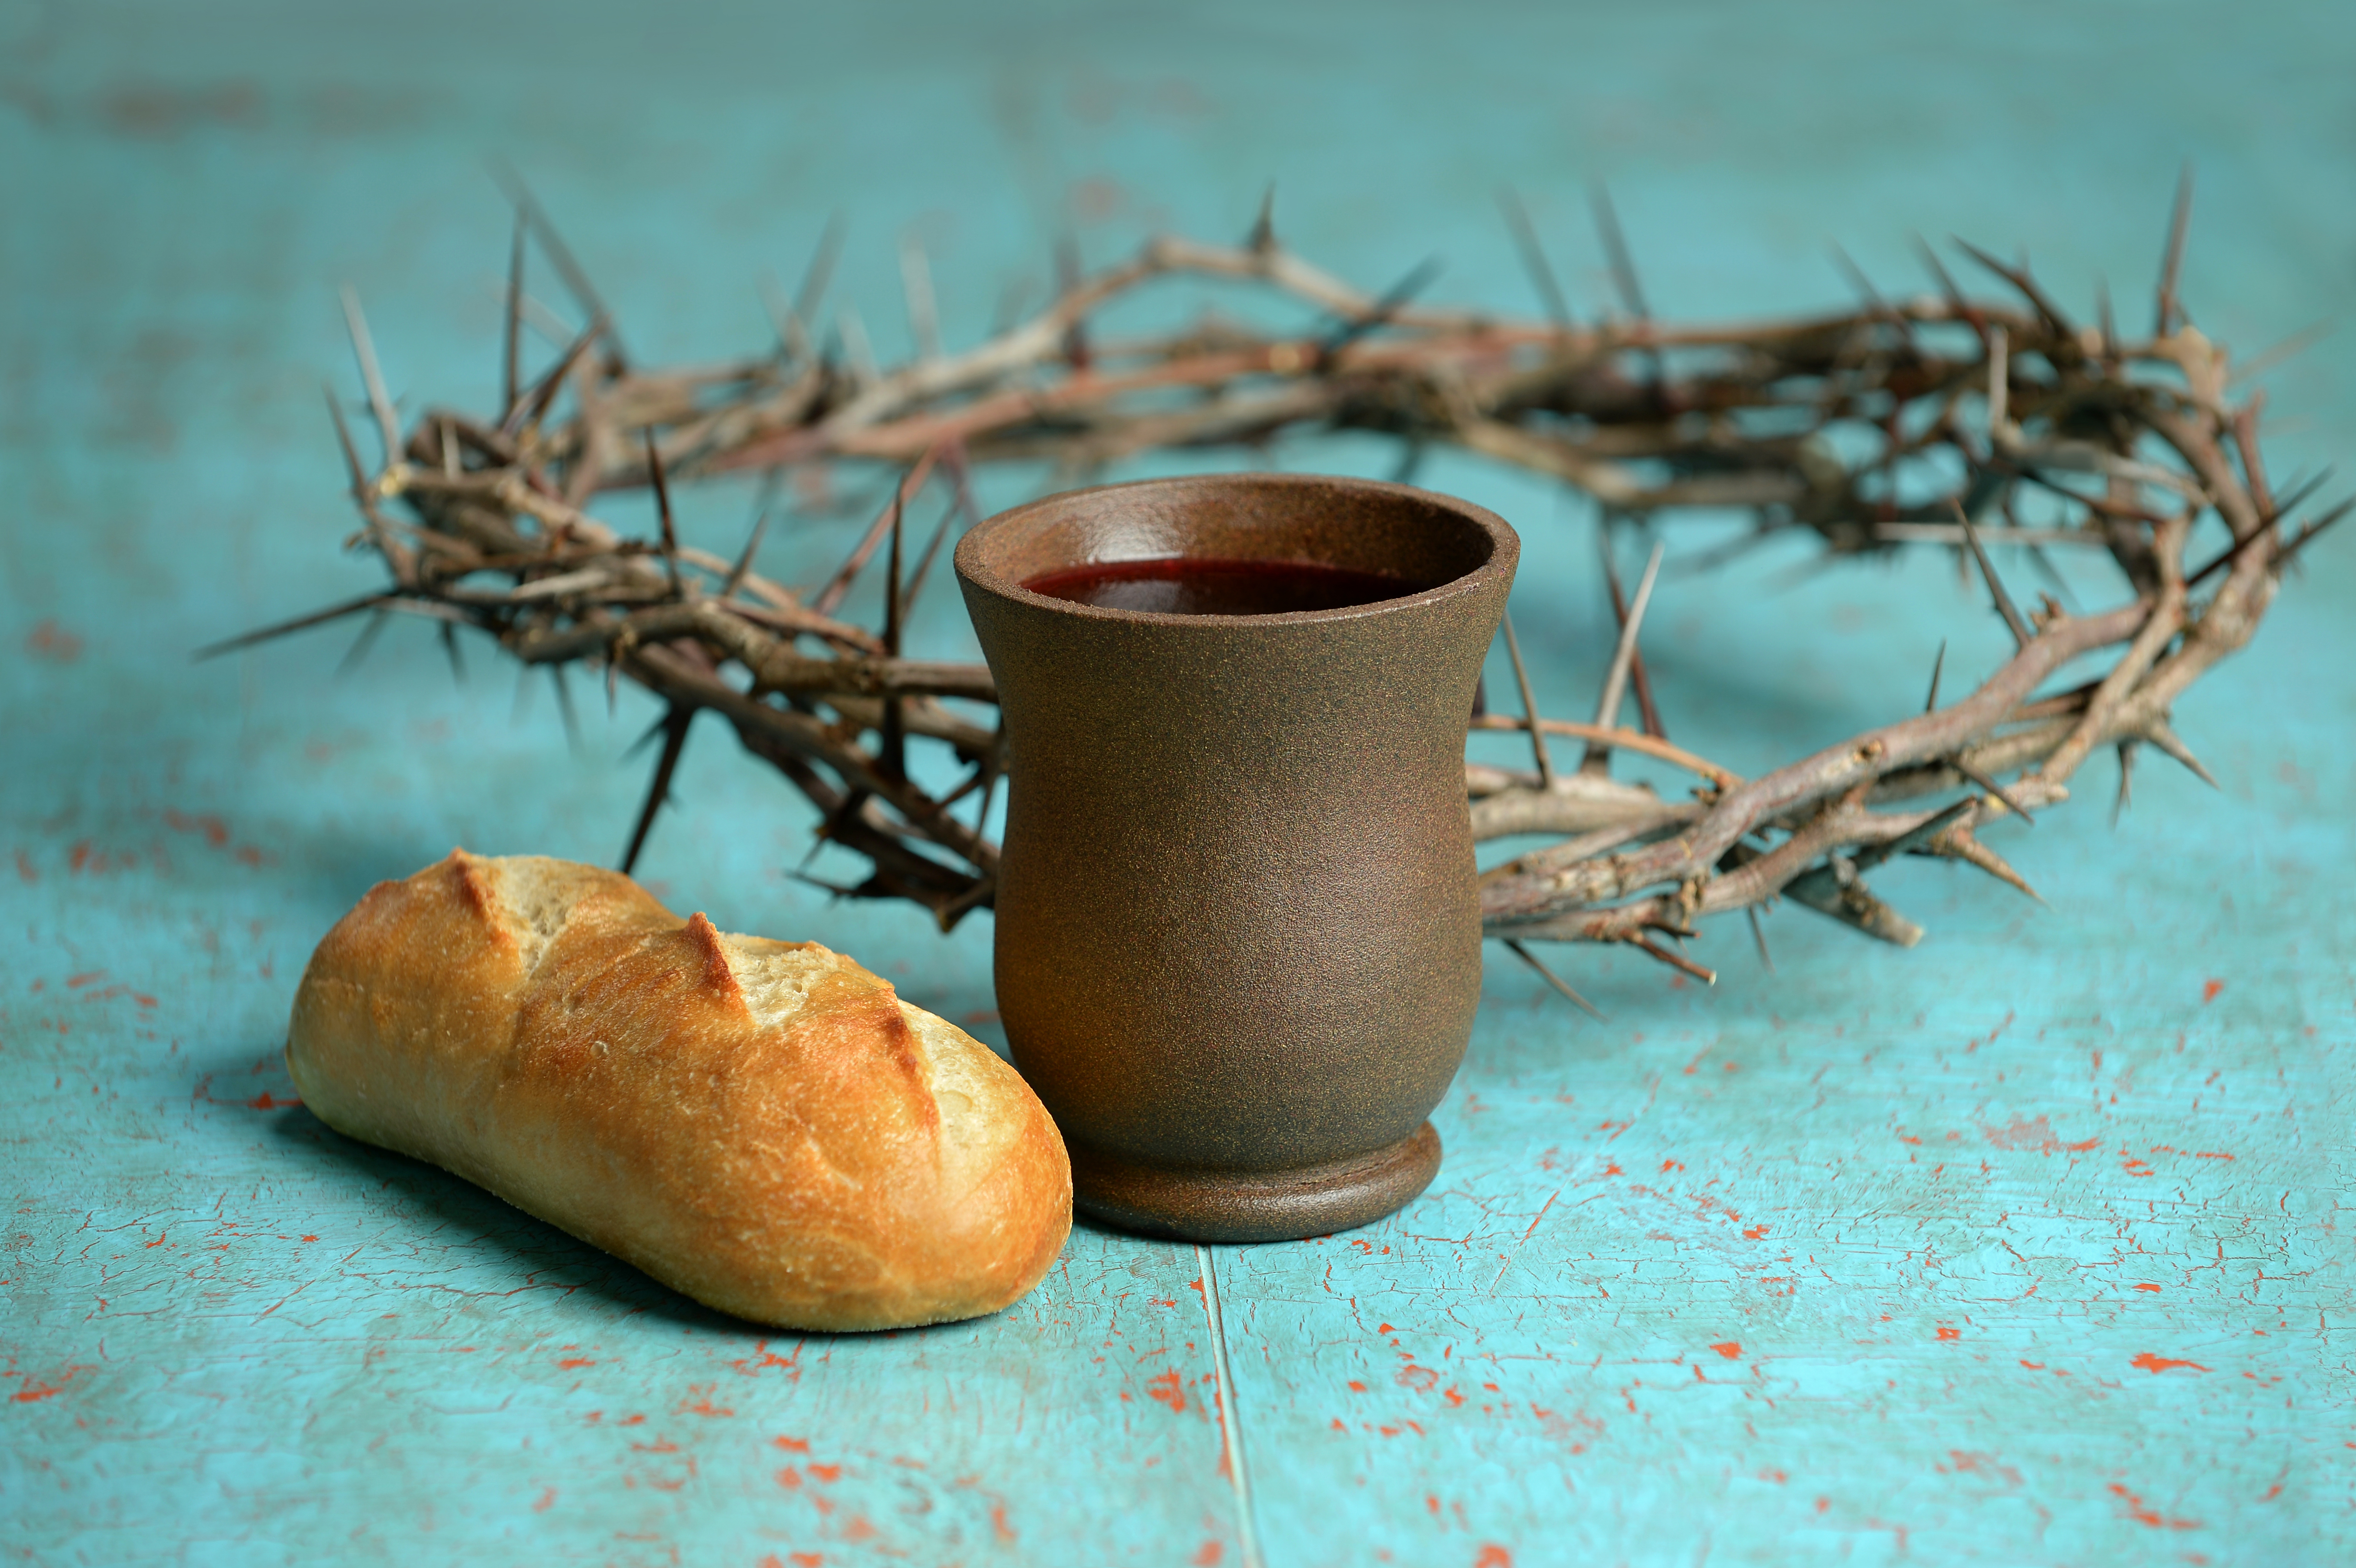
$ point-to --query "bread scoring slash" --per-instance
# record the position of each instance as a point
(762, 1125)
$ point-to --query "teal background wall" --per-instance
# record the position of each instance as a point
(2024, 1246)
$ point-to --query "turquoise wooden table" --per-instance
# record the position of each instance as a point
(2025, 1247)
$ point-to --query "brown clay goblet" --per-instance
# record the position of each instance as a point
(1239, 935)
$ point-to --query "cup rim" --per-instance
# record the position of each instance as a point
(1504, 551)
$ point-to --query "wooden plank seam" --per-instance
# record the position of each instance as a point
(1230, 1425)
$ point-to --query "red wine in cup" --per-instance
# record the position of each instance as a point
(1192, 585)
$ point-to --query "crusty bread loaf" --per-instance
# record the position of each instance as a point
(763, 1126)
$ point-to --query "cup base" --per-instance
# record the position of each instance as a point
(1255, 1205)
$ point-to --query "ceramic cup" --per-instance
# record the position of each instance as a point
(1239, 935)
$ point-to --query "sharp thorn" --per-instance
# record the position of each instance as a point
(1920, 834)
(744, 567)
(1938, 662)
(1615, 680)
(543, 394)
(925, 561)
(1551, 978)
(560, 255)
(564, 708)
(1871, 295)
(2171, 266)
(1987, 782)
(1529, 704)
(674, 726)
(351, 452)
(358, 651)
(1639, 677)
(300, 623)
(2021, 634)
(1262, 239)
(917, 293)
(1673, 960)
(892, 575)
(2167, 739)
(2020, 278)
(662, 510)
(1759, 935)
(364, 350)
(1615, 251)
(1534, 258)
(1971, 849)
(820, 271)
(2235, 551)
(511, 356)
(457, 659)
(1393, 301)
(840, 891)
(2283, 556)
(2126, 779)
(520, 708)
(2289, 349)
(645, 738)
(1412, 453)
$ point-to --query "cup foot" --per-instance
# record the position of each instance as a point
(1255, 1205)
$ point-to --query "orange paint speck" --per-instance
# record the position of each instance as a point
(1951, 1333)
(53, 643)
(789, 1478)
(1209, 1554)
(2152, 1364)
(1358, 1387)
(1731, 1349)
(2153, 1288)
(791, 1445)
(828, 1473)
(215, 830)
(1168, 1389)
(856, 1528)
(1753, 1232)
(547, 1501)
(572, 1361)
(1494, 1556)
(2137, 1510)
(2208, 994)
(807, 1558)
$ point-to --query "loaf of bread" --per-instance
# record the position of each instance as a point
(762, 1125)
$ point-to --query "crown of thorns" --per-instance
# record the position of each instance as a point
(1976, 424)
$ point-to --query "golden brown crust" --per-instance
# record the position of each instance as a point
(763, 1126)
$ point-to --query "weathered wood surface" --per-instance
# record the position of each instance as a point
(2025, 1246)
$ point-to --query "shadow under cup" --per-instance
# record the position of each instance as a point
(1238, 935)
